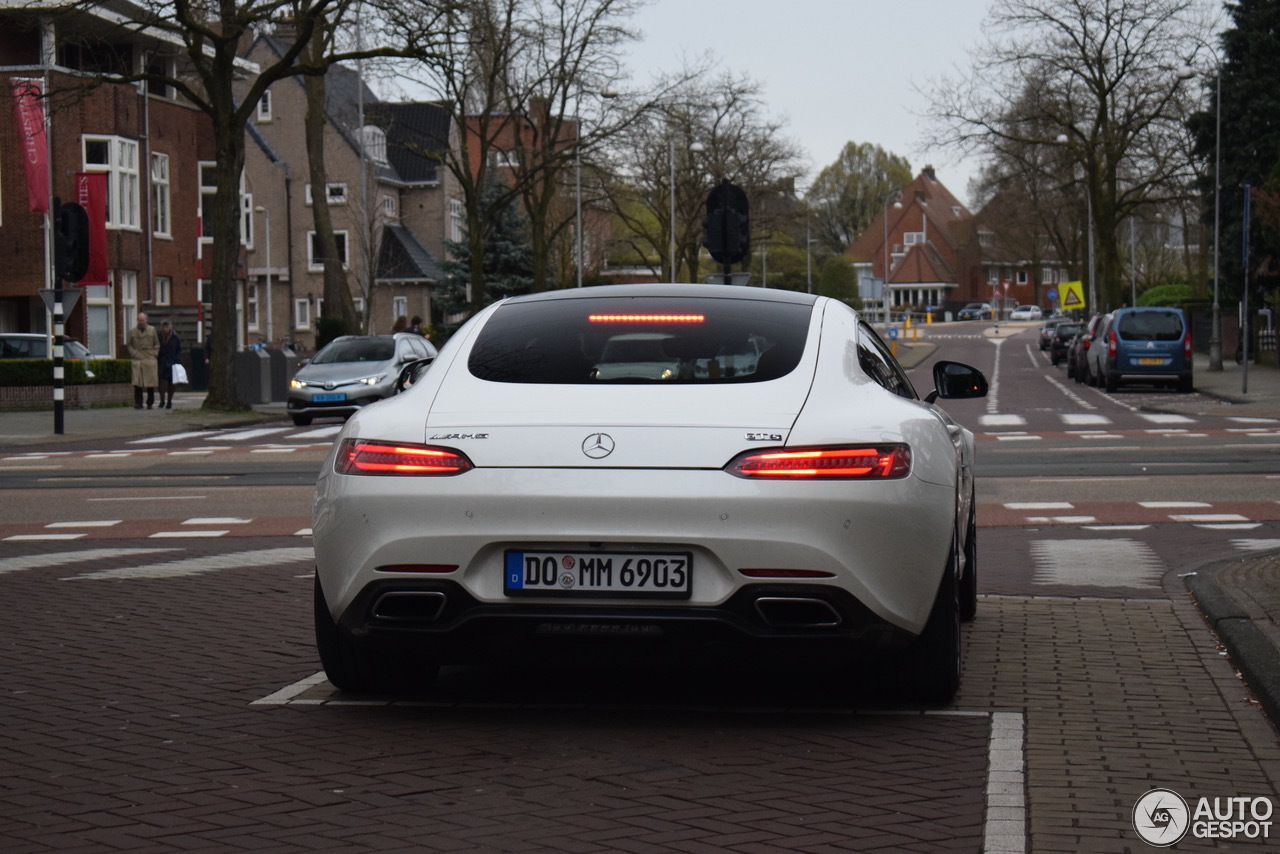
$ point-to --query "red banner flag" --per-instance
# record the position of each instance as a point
(91, 193)
(29, 106)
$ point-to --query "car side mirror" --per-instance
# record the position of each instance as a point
(956, 381)
(412, 372)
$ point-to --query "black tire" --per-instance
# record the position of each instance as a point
(301, 420)
(360, 668)
(1186, 385)
(1071, 369)
(1113, 382)
(935, 655)
(969, 581)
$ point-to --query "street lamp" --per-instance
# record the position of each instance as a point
(1215, 326)
(266, 215)
(694, 147)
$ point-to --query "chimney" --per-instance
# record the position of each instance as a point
(930, 174)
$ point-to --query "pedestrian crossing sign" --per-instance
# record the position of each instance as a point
(1072, 295)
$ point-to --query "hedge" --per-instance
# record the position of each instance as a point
(39, 372)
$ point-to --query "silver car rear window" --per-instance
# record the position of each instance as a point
(641, 340)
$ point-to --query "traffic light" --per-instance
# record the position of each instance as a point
(71, 242)
(726, 229)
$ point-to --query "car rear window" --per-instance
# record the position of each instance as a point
(1067, 330)
(1150, 326)
(381, 350)
(641, 340)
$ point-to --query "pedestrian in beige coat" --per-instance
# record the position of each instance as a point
(144, 344)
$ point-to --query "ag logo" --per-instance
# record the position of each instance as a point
(1161, 817)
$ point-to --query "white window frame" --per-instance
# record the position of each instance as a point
(264, 106)
(911, 238)
(390, 207)
(207, 194)
(128, 283)
(163, 291)
(399, 308)
(302, 314)
(1021, 277)
(457, 221)
(251, 306)
(336, 192)
(161, 196)
(124, 182)
(340, 235)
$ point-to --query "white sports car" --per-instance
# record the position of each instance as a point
(762, 478)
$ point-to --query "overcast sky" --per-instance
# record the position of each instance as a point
(835, 70)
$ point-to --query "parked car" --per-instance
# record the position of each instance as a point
(351, 372)
(1060, 341)
(1046, 330)
(1025, 312)
(36, 345)
(976, 311)
(1145, 345)
(1077, 364)
(519, 501)
(1096, 354)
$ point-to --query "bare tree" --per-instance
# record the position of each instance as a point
(1102, 79)
(846, 196)
(709, 129)
(208, 37)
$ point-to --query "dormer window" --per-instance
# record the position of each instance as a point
(374, 141)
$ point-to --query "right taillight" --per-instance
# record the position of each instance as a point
(1112, 344)
(870, 462)
(1186, 347)
(362, 456)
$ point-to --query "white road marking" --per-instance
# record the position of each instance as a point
(155, 498)
(1005, 831)
(99, 523)
(1171, 505)
(174, 535)
(203, 564)
(302, 532)
(17, 564)
(318, 433)
(1061, 520)
(1002, 420)
(1128, 563)
(1081, 418)
(1208, 517)
(217, 520)
(1039, 505)
(29, 537)
(251, 434)
(1165, 418)
(189, 453)
(1256, 545)
(172, 437)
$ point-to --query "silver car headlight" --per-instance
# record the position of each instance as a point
(372, 380)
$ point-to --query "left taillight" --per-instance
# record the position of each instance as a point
(866, 462)
(361, 456)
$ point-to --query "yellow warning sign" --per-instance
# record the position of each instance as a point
(1072, 295)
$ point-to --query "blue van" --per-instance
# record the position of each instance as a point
(1148, 345)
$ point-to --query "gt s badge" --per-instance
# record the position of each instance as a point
(764, 437)
(460, 436)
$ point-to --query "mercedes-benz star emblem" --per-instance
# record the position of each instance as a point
(598, 445)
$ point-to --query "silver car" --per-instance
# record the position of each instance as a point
(351, 372)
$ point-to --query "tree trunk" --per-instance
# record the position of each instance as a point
(229, 145)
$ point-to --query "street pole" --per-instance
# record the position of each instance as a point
(266, 215)
(671, 159)
(1215, 328)
(577, 221)
(1244, 320)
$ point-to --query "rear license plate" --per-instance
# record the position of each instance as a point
(328, 398)
(1151, 361)
(650, 575)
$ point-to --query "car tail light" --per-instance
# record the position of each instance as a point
(359, 456)
(1112, 344)
(1186, 347)
(854, 462)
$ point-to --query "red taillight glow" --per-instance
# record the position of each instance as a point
(646, 318)
(1112, 344)
(786, 573)
(1186, 347)
(418, 567)
(877, 462)
(363, 457)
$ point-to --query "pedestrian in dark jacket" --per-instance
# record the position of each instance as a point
(170, 354)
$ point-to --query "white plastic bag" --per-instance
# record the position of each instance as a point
(179, 375)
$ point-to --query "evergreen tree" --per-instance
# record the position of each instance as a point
(1250, 142)
(508, 262)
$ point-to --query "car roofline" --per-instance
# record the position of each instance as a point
(670, 290)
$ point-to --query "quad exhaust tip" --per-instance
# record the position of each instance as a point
(795, 612)
(418, 606)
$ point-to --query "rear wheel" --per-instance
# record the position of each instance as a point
(935, 656)
(1113, 381)
(1185, 385)
(359, 667)
(301, 420)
